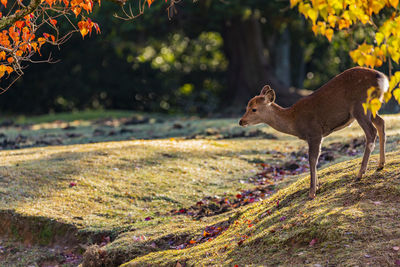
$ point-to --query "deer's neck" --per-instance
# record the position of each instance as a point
(281, 119)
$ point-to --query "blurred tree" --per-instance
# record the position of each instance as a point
(210, 55)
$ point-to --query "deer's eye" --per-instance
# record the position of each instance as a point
(254, 110)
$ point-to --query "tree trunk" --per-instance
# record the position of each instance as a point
(249, 69)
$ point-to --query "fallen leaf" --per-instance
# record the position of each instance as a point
(72, 184)
(396, 248)
(313, 242)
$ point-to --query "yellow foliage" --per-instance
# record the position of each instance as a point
(396, 94)
(379, 38)
(328, 16)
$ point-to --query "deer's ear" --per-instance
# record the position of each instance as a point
(265, 90)
(269, 96)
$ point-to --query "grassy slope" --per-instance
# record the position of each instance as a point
(121, 183)
(353, 223)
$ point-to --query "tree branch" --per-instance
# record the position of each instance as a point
(9, 20)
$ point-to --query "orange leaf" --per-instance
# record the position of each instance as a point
(10, 60)
(41, 41)
(83, 28)
(20, 24)
(76, 10)
(96, 26)
(2, 55)
(150, 2)
(9, 69)
(53, 21)
(34, 45)
(4, 2)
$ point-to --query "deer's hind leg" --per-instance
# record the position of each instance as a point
(314, 149)
(364, 120)
(379, 124)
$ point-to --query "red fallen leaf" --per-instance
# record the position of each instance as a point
(148, 218)
(236, 265)
(199, 203)
(240, 242)
(277, 203)
(192, 242)
(250, 225)
(313, 242)
(182, 210)
(238, 196)
(72, 184)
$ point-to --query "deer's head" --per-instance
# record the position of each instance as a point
(258, 107)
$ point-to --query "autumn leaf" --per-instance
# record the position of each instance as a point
(387, 96)
(394, 3)
(149, 2)
(313, 242)
(4, 2)
(379, 37)
(396, 94)
(329, 34)
(53, 21)
(41, 41)
(83, 28)
(2, 55)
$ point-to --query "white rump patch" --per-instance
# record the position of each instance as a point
(383, 83)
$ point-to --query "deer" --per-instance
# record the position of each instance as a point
(330, 108)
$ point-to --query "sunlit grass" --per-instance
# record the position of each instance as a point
(119, 184)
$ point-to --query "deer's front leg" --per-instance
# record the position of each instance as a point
(314, 149)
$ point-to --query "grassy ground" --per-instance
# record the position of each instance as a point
(348, 224)
(119, 195)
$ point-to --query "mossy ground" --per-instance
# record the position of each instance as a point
(112, 187)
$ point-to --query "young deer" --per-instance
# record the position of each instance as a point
(330, 108)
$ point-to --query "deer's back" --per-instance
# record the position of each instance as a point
(331, 106)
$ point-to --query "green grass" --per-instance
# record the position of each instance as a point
(73, 116)
(119, 184)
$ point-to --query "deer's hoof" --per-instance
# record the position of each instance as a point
(359, 177)
(380, 166)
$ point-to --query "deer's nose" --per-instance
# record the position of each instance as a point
(241, 122)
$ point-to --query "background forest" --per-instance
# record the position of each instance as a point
(209, 58)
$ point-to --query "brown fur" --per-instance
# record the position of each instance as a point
(330, 108)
